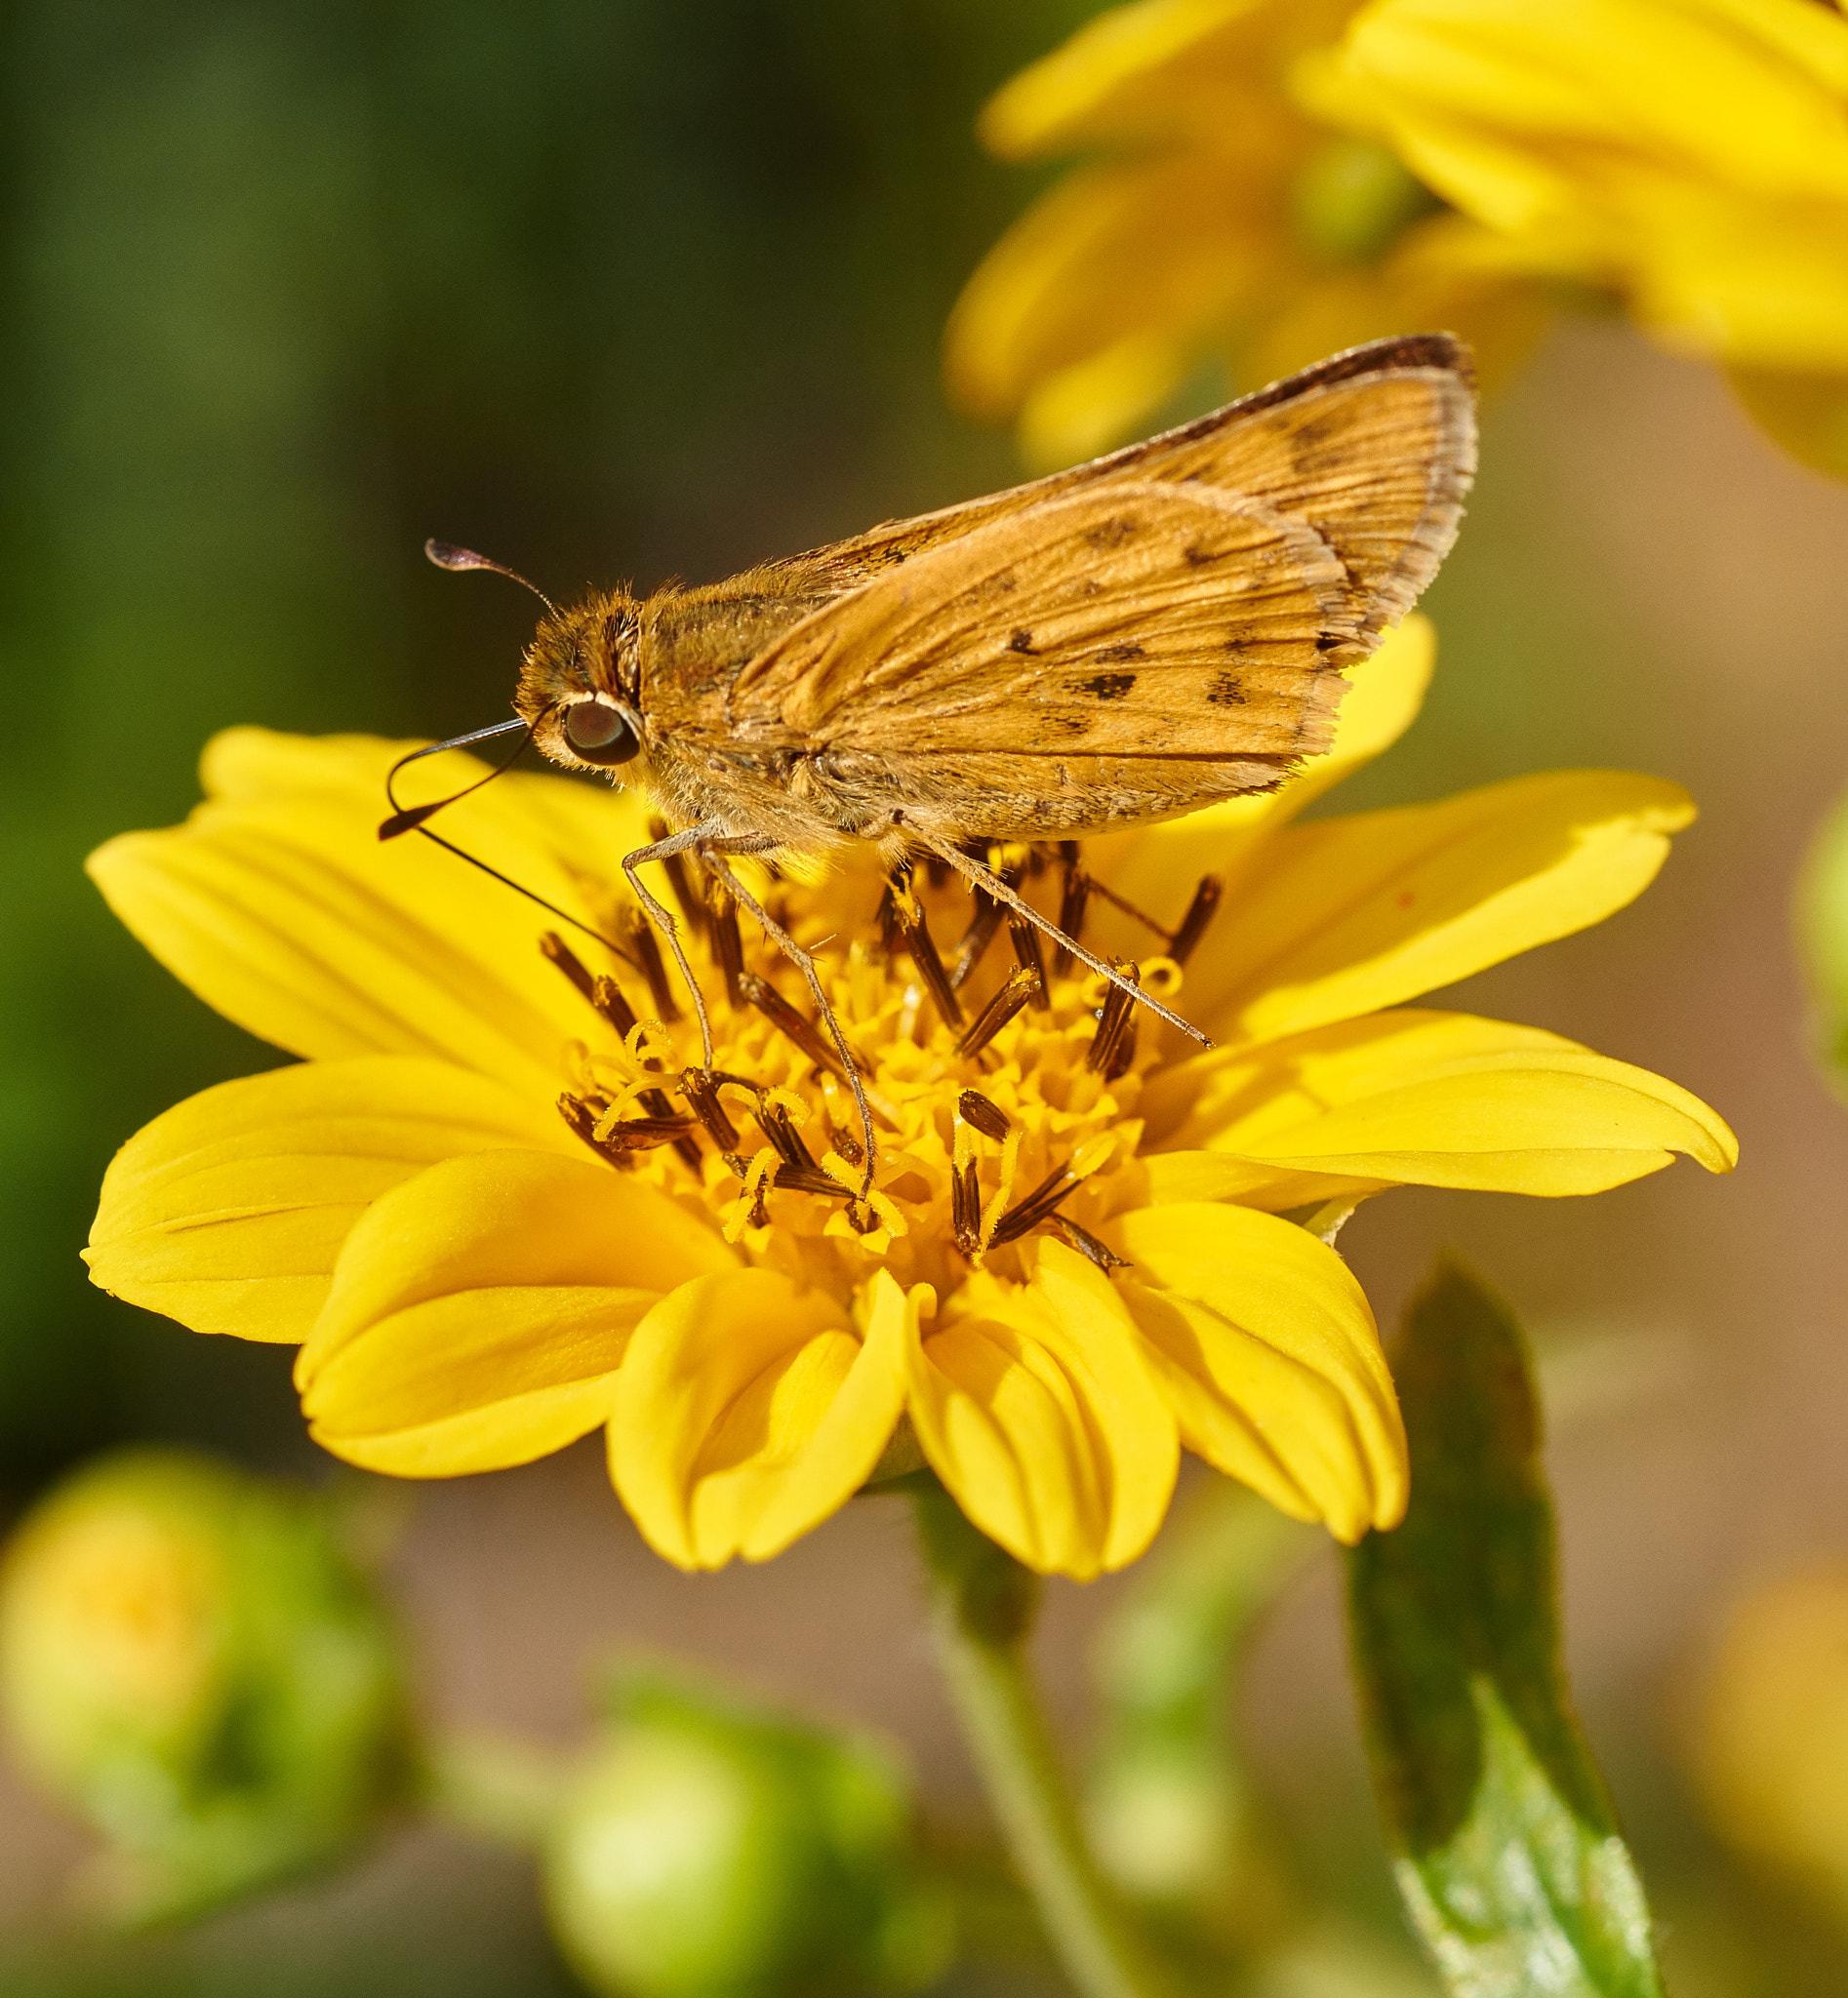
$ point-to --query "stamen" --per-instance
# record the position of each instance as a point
(555, 947)
(1027, 1214)
(1200, 912)
(610, 1000)
(974, 947)
(701, 1094)
(987, 1118)
(1086, 1243)
(923, 948)
(783, 1016)
(722, 933)
(1007, 1002)
(648, 952)
(1026, 949)
(1113, 1017)
(1123, 1054)
(1128, 908)
(965, 1206)
(674, 867)
(643, 1134)
(1071, 904)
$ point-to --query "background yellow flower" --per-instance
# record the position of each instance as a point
(1275, 181)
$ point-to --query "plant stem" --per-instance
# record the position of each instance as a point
(982, 1603)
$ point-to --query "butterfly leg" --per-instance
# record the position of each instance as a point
(711, 851)
(990, 883)
(661, 850)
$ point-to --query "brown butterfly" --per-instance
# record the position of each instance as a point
(1125, 641)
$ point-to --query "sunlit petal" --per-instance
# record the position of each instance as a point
(228, 1211)
(1034, 1407)
(479, 1312)
(748, 1412)
(1425, 1098)
(1348, 915)
(278, 904)
(1266, 1347)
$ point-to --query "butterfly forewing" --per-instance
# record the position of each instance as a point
(1121, 619)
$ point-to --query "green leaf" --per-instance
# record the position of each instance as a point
(1505, 1843)
(1822, 927)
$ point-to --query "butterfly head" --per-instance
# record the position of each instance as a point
(580, 685)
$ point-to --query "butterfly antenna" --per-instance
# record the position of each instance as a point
(411, 819)
(446, 555)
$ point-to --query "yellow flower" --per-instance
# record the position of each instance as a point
(1692, 155)
(1220, 221)
(476, 1279)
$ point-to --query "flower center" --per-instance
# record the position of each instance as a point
(1002, 1082)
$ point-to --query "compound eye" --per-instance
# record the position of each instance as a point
(599, 733)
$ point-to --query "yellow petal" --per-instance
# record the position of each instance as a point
(1521, 115)
(1157, 866)
(279, 905)
(1422, 1098)
(228, 1211)
(1149, 253)
(479, 1312)
(748, 1412)
(1162, 70)
(1266, 1349)
(1034, 1407)
(1348, 915)
(1806, 413)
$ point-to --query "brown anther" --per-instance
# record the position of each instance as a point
(1027, 1214)
(785, 1141)
(703, 1097)
(861, 1217)
(1026, 948)
(554, 947)
(846, 1143)
(775, 1008)
(918, 941)
(890, 932)
(643, 1134)
(980, 933)
(1206, 899)
(582, 1116)
(728, 946)
(759, 1213)
(1123, 1054)
(1113, 1017)
(988, 1118)
(1071, 904)
(648, 953)
(1021, 986)
(674, 867)
(1086, 1243)
(608, 997)
(965, 1206)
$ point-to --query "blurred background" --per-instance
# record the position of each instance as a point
(630, 290)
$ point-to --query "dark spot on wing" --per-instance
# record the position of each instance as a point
(1112, 534)
(1109, 654)
(1226, 690)
(1105, 685)
(1198, 557)
(1020, 641)
(1328, 642)
(1073, 724)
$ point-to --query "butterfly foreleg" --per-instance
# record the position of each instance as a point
(989, 882)
(662, 920)
(710, 852)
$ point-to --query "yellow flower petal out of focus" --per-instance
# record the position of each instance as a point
(476, 1279)
(1267, 181)
(1690, 154)
(1215, 219)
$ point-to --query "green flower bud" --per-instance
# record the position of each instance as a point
(1351, 200)
(710, 1849)
(190, 1661)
